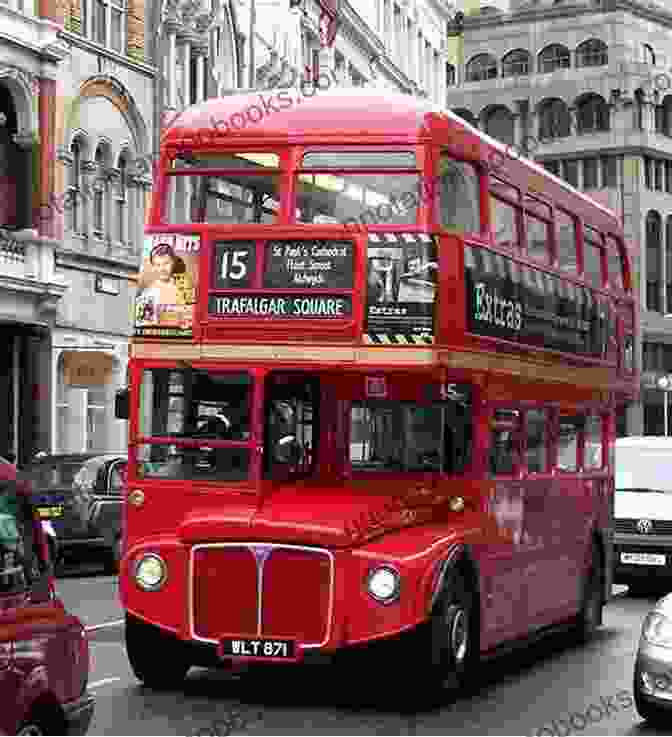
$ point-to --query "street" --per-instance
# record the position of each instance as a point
(555, 688)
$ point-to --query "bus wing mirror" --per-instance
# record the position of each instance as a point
(121, 404)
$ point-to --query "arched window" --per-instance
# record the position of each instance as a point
(639, 109)
(74, 197)
(451, 76)
(664, 116)
(592, 114)
(481, 67)
(592, 53)
(648, 54)
(554, 119)
(653, 260)
(499, 124)
(99, 193)
(554, 57)
(122, 200)
(516, 63)
(668, 264)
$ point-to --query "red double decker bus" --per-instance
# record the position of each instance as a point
(374, 380)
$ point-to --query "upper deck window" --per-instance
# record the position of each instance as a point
(593, 246)
(359, 160)
(566, 237)
(195, 405)
(224, 160)
(239, 188)
(358, 199)
(503, 213)
(614, 264)
(538, 229)
(459, 198)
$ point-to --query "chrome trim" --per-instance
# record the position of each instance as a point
(650, 541)
(160, 584)
(267, 549)
(384, 567)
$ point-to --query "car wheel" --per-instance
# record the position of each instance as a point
(592, 601)
(157, 659)
(648, 711)
(31, 729)
(447, 643)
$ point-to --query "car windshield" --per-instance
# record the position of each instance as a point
(85, 478)
(53, 475)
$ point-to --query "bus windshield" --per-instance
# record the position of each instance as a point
(197, 406)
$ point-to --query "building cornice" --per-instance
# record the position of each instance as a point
(98, 264)
(86, 44)
(568, 9)
(39, 35)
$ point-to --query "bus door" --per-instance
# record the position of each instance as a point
(291, 425)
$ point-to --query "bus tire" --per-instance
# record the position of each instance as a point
(592, 600)
(448, 641)
(157, 659)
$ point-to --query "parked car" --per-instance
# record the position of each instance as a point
(52, 540)
(80, 495)
(653, 666)
(44, 652)
(643, 513)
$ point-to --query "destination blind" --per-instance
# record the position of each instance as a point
(283, 279)
(283, 306)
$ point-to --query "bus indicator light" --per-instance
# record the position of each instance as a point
(376, 387)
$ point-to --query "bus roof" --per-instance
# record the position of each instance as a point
(333, 116)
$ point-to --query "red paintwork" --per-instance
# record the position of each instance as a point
(528, 534)
(44, 654)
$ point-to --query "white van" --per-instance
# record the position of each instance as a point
(643, 512)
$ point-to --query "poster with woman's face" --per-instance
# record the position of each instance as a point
(167, 286)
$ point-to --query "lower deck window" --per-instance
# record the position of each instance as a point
(396, 436)
(204, 463)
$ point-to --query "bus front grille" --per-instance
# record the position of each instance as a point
(280, 591)
(224, 585)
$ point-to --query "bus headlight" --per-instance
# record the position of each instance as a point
(151, 572)
(384, 584)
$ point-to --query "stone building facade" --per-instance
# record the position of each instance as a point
(30, 289)
(585, 88)
(104, 113)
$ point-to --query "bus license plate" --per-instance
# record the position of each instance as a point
(643, 559)
(257, 648)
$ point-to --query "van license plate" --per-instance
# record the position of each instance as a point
(257, 648)
(643, 559)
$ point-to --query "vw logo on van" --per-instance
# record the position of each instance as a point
(644, 526)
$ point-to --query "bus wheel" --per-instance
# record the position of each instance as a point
(449, 640)
(590, 615)
(157, 660)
